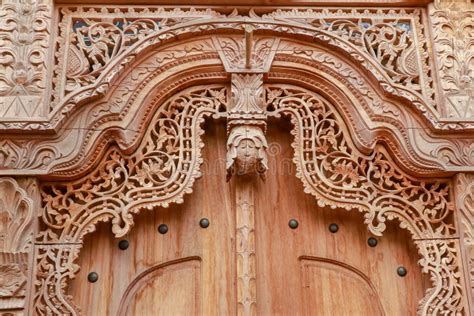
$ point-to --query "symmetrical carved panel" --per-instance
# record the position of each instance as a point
(453, 23)
(166, 163)
(24, 43)
(246, 127)
(96, 43)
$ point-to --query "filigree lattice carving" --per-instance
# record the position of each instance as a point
(93, 38)
(159, 172)
(453, 23)
(389, 43)
(338, 175)
(24, 40)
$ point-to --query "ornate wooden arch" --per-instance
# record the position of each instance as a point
(95, 98)
(166, 163)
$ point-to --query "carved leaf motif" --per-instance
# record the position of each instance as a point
(454, 44)
(16, 215)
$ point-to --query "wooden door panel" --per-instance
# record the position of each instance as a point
(279, 249)
(167, 289)
(213, 247)
(335, 288)
(192, 270)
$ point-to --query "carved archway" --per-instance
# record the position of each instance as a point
(166, 163)
(155, 163)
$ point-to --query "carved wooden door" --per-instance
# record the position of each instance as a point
(237, 265)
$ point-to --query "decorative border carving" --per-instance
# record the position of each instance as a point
(465, 203)
(401, 68)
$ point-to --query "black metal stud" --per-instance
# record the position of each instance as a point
(163, 229)
(123, 244)
(92, 277)
(402, 271)
(372, 242)
(333, 228)
(204, 223)
(293, 223)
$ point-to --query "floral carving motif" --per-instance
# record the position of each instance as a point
(233, 53)
(340, 176)
(17, 213)
(24, 39)
(391, 43)
(454, 43)
(160, 171)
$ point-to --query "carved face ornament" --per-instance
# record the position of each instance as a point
(246, 151)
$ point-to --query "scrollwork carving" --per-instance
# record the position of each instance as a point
(159, 172)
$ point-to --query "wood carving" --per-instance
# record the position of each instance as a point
(246, 123)
(338, 175)
(17, 213)
(116, 121)
(159, 172)
(24, 43)
(245, 251)
(465, 195)
(454, 44)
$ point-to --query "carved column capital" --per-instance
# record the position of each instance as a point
(246, 127)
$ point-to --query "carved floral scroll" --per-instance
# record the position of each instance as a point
(340, 176)
(164, 166)
(160, 172)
